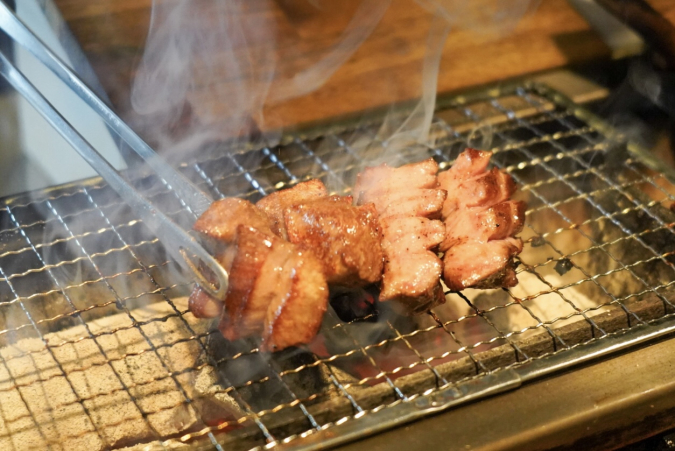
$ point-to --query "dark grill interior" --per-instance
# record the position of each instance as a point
(99, 351)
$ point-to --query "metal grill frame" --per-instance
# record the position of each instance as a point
(567, 349)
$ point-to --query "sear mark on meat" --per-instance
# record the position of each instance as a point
(273, 284)
(274, 204)
(346, 239)
(480, 224)
(295, 317)
(405, 198)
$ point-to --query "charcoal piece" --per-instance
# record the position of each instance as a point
(358, 304)
(257, 376)
(563, 266)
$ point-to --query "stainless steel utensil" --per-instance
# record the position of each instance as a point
(183, 247)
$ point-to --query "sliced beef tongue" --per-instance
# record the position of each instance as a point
(283, 252)
(409, 190)
(254, 277)
(480, 224)
(412, 272)
(484, 224)
(481, 264)
(407, 199)
(278, 291)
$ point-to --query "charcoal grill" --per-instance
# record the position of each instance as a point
(99, 351)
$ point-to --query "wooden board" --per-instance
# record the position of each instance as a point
(385, 69)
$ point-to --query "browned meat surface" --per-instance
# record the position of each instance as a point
(266, 272)
(345, 239)
(244, 307)
(405, 198)
(223, 217)
(411, 234)
(412, 272)
(225, 255)
(275, 204)
(414, 202)
(483, 190)
(480, 224)
(273, 284)
(481, 264)
(295, 314)
(413, 281)
(484, 224)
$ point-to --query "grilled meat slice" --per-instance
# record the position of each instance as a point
(246, 302)
(487, 189)
(275, 204)
(411, 190)
(383, 180)
(265, 270)
(345, 239)
(405, 198)
(413, 281)
(221, 219)
(483, 190)
(294, 316)
(480, 223)
(414, 202)
(411, 234)
(468, 164)
(481, 264)
(273, 285)
(484, 224)
(412, 272)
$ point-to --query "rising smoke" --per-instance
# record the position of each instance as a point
(224, 62)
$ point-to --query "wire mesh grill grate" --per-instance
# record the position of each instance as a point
(99, 351)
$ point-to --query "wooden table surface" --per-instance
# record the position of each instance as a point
(386, 68)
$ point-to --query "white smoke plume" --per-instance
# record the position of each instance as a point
(229, 54)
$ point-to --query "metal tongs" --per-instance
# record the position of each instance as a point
(182, 247)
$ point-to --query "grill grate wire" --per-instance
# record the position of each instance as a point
(86, 290)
